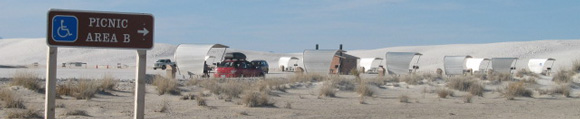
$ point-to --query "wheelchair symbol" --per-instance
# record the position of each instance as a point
(64, 28)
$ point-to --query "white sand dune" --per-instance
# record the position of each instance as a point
(424, 102)
(27, 51)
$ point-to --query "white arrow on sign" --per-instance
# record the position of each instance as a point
(144, 31)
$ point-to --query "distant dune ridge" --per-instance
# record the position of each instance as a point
(23, 51)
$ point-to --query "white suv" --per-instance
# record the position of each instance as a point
(161, 63)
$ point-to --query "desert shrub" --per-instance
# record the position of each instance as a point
(108, 82)
(80, 89)
(355, 72)
(288, 105)
(272, 84)
(75, 113)
(576, 66)
(188, 97)
(525, 72)
(431, 77)
(499, 77)
(11, 100)
(364, 90)
(412, 79)
(563, 76)
(376, 81)
(343, 83)
(461, 83)
(516, 89)
(465, 83)
(310, 77)
(256, 99)
(443, 93)
(233, 88)
(200, 101)
(23, 114)
(65, 89)
(327, 90)
(476, 89)
(163, 107)
(392, 78)
(404, 99)
(211, 85)
(166, 85)
(562, 89)
(86, 89)
(467, 98)
(27, 80)
(194, 81)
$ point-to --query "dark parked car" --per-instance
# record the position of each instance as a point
(262, 64)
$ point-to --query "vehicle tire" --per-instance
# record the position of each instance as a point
(262, 75)
(163, 67)
(154, 68)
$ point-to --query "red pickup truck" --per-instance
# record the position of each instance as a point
(236, 65)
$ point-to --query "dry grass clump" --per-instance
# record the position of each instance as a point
(188, 97)
(563, 76)
(431, 76)
(288, 105)
(562, 89)
(81, 89)
(343, 83)
(108, 82)
(376, 81)
(404, 99)
(327, 90)
(211, 85)
(355, 72)
(476, 89)
(163, 107)
(233, 88)
(392, 78)
(364, 90)
(27, 80)
(576, 66)
(165, 85)
(273, 84)
(461, 83)
(464, 83)
(11, 100)
(412, 79)
(516, 89)
(76, 113)
(86, 89)
(23, 114)
(200, 101)
(443, 93)
(467, 98)
(498, 77)
(524, 72)
(194, 81)
(310, 77)
(257, 99)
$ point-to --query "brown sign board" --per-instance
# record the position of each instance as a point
(78, 28)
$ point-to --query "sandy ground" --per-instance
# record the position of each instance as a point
(305, 103)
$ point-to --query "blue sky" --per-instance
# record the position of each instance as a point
(295, 25)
